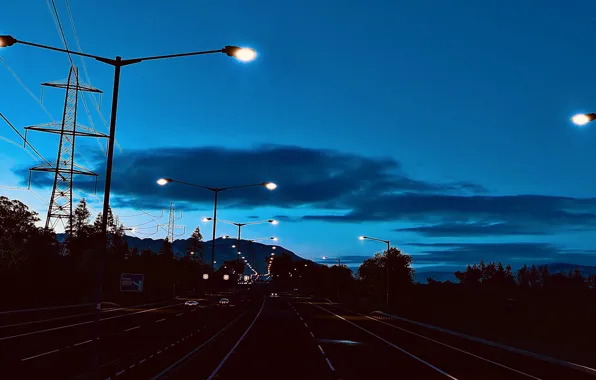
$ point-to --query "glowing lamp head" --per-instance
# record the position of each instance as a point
(324, 257)
(226, 277)
(6, 41)
(582, 119)
(270, 185)
(273, 238)
(205, 276)
(163, 181)
(273, 221)
(361, 237)
(205, 219)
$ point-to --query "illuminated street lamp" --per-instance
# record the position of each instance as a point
(242, 54)
(205, 276)
(388, 242)
(216, 191)
(332, 258)
(583, 118)
(226, 277)
(240, 225)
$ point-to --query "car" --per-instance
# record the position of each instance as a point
(191, 303)
(224, 302)
(273, 294)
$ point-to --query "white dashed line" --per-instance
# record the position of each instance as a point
(158, 352)
(120, 373)
(81, 343)
(142, 361)
(133, 328)
(320, 348)
(193, 310)
(150, 356)
(330, 366)
(179, 314)
(311, 334)
(160, 320)
(305, 325)
(172, 345)
(132, 366)
(36, 356)
(300, 318)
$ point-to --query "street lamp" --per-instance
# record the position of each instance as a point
(583, 118)
(216, 191)
(250, 241)
(338, 278)
(387, 266)
(240, 225)
(243, 54)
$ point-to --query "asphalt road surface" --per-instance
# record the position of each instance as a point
(271, 338)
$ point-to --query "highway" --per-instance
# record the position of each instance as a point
(266, 338)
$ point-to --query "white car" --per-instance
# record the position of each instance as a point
(224, 302)
(191, 303)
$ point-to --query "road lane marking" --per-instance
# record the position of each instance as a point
(330, 366)
(305, 325)
(158, 352)
(214, 373)
(454, 348)
(545, 358)
(142, 361)
(120, 373)
(311, 334)
(133, 328)
(389, 343)
(81, 323)
(321, 348)
(150, 356)
(196, 349)
(132, 366)
(179, 314)
(81, 343)
(160, 320)
(193, 310)
(36, 356)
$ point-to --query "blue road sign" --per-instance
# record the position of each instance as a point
(131, 282)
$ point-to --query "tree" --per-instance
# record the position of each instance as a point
(471, 276)
(80, 219)
(195, 243)
(167, 250)
(373, 272)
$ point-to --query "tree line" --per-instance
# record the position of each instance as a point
(37, 269)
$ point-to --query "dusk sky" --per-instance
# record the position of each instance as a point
(443, 126)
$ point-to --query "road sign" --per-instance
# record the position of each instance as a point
(131, 282)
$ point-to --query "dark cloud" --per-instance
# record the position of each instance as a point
(537, 212)
(474, 229)
(307, 177)
(516, 254)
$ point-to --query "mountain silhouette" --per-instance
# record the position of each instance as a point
(223, 250)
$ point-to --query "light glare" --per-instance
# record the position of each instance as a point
(162, 181)
(245, 54)
(580, 119)
(271, 186)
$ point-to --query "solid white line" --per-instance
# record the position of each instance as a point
(133, 328)
(81, 323)
(81, 343)
(142, 361)
(311, 334)
(545, 358)
(454, 348)
(120, 373)
(214, 373)
(330, 366)
(160, 320)
(196, 349)
(36, 356)
(320, 348)
(179, 314)
(389, 343)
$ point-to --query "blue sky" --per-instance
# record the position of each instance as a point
(442, 126)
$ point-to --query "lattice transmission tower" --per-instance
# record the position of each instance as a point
(60, 207)
(172, 224)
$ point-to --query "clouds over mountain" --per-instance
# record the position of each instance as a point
(353, 188)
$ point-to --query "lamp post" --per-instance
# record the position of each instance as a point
(388, 242)
(215, 191)
(243, 54)
(250, 241)
(240, 225)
